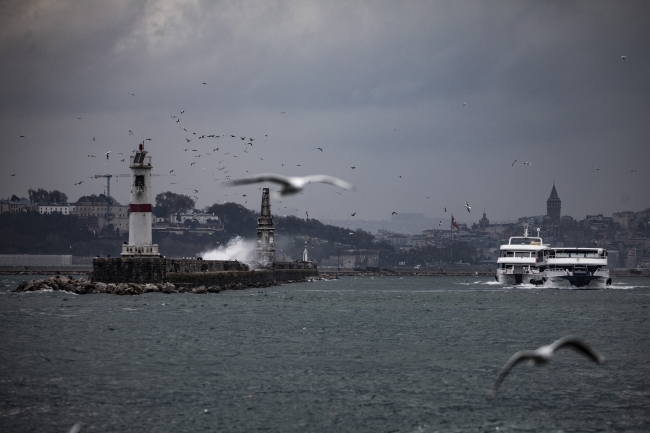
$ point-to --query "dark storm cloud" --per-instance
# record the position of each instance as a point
(544, 82)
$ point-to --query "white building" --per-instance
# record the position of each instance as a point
(63, 208)
(201, 218)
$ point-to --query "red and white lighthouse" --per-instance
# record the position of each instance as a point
(140, 208)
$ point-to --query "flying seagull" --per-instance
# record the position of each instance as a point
(353, 214)
(107, 154)
(543, 355)
(633, 170)
(292, 185)
(445, 210)
(623, 57)
(513, 162)
(319, 149)
(468, 207)
(132, 94)
(394, 213)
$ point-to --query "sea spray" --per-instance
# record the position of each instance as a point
(237, 248)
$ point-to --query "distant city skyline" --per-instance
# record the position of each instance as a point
(420, 105)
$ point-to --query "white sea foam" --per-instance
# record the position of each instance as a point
(237, 248)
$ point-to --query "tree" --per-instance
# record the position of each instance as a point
(58, 197)
(174, 203)
(38, 195)
(236, 218)
(41, 195)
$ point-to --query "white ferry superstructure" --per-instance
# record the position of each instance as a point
(522, 260)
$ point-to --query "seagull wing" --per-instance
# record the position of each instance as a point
(264, 177)
(579, 346)
(323, 178)
(515, 359)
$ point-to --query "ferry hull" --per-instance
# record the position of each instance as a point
(579, 281)
(516, 279)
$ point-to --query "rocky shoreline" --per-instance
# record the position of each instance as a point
(82, 286)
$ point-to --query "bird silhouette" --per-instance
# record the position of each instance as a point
(292, 185)
(353, 214)
(513, 162)
(319, 149)
(467, 206)
(543, 355)
(394, 213)
(623, 57)
(107, 154)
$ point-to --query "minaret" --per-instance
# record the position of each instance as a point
(305, 256)
(140, 208)
(265, 232)
(553, 206)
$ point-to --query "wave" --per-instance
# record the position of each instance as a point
(237, 248)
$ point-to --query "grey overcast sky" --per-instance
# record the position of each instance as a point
(378, 85)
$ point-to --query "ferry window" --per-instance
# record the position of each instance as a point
(522, 254)
(510, 254)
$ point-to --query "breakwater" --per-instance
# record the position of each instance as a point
(199, 283)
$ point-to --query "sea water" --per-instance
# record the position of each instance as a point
(382, 354)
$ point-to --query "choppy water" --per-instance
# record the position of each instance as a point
(417, 354)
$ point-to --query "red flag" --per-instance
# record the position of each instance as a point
(454, 223)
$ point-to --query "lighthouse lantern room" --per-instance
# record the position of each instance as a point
(140, 208)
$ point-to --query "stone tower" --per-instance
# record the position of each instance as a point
(265, 232)
(553, 205)
(140, 208)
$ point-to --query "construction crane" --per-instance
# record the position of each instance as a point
(108, 177)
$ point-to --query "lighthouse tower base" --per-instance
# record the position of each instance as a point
(140, 251)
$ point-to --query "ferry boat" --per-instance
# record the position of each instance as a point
(526, 260)
(577, 267)
(523, 260)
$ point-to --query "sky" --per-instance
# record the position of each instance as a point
(429, 101)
